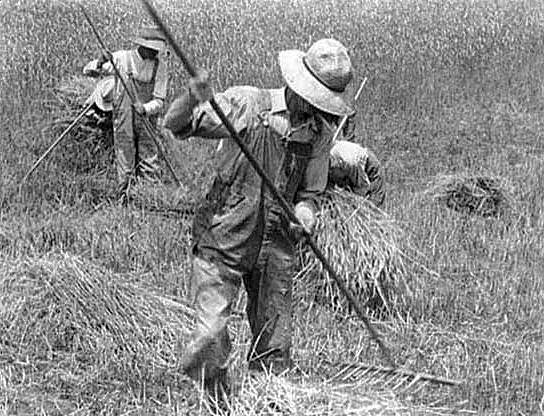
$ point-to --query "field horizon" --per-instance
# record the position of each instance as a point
(93, 295)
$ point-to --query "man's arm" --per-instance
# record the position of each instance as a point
(101, 65)
(187, 117)
(156, 104)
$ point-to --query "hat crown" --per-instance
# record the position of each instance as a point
(328, 61)
(151, 33)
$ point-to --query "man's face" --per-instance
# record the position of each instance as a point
(299, 108)
(326, 122)
(147, 53)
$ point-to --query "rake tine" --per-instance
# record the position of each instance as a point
(379, 377)
(351, 373)
(428, 378)
(364, 373)
(420, 386)
(339, 373)
(403, 379)
(394, 377)
(371, 377)
(413, 382)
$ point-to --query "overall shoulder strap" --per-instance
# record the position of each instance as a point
(155, 68)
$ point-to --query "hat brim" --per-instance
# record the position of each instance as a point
(157, 45)
(301, 81)
(102, 95)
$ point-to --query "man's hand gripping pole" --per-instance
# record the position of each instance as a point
(275, 193)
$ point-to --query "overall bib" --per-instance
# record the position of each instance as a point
(242, 235)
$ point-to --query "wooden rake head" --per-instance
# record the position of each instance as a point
(397, 380)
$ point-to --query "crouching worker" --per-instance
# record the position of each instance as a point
(240, 234)
(144, 72)
(353, 166)
(357, 168)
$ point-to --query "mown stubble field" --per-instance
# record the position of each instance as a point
(454, 87)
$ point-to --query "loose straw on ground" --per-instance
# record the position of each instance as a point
(65, 315)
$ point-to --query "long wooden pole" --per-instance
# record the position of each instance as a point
(275, 193)
(344, 118)
(57, 142)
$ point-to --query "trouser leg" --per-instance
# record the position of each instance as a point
(148, 167)
(124, 161)
(214, 288)
(269, 306)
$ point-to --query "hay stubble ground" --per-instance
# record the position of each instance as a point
(454, 88)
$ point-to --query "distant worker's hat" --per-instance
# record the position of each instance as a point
(151, 37)
(102, 95)
(320, 76)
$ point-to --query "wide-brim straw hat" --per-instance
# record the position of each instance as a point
(151, 37)
(320, 76)
(102, 95)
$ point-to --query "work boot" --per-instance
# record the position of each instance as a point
(125, 190)
(203, 362)
(218, 393)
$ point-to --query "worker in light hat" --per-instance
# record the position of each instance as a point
(144, 71)
(240, 234)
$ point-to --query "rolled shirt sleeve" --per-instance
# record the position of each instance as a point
(358, 168)
(92, 69)
(186, 118)
(154, 106)
(347, 166)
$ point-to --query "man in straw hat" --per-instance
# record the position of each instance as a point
(357, 168)
(240, 234)
(144, 71)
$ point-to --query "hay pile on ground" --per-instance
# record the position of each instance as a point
(361, 242)
(479, 195)
(272, 395)
(301, 395)
(72, 331)
(90, 143)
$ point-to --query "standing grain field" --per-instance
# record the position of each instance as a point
(455, 87)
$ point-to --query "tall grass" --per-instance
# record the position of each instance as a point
(454, 87)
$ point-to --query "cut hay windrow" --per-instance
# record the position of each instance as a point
(64, 314)
(479, 195)
(362, 243)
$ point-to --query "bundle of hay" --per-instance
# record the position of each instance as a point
(73, 327)
(479, 195)
(361, 242)
(90, 143)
